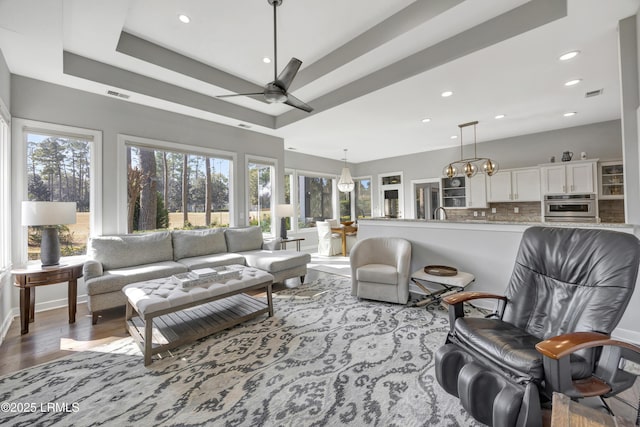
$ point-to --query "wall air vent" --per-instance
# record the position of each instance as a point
(118, 94)
(593, 93)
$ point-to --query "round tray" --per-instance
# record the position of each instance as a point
(440, 270)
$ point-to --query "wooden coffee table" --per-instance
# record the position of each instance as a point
(168, 315)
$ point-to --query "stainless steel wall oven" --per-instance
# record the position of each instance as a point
(570, 208)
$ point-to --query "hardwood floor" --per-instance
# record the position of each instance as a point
(51, 337)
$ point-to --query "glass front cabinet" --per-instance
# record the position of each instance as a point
(611, 180)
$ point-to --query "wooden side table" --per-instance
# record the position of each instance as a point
(32, 276)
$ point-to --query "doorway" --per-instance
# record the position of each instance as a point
(426, 195)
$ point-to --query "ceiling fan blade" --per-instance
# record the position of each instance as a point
(240, 94)
(295, 102)
(288, 73)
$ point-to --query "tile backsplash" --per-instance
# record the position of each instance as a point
(527, 212)
(611, 211)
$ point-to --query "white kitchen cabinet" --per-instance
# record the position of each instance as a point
(477, 192)
(611, 179)
(569, 178)
(462, 192)
(515, 185)
(526, 184)
(499, 187)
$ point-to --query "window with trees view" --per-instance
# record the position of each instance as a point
(362, 195)
(59, 169)
(169, 189)
(260, 195)
(345, 205)
(315, 196)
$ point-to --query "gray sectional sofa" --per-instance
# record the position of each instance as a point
(117, 260)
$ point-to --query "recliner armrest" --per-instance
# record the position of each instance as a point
(456, 306)
(468, 296)
(608, 379)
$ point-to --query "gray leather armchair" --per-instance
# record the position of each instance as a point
(550, 332)
(380, 269)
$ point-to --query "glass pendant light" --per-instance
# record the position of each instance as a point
(471, 166)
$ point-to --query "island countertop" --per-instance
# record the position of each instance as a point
(491, 222)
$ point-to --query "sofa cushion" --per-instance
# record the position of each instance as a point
(275, 261)
(113, 280)
(193, 243)
(128, 250)
(243, 239)
(377, 273)
(214, 260)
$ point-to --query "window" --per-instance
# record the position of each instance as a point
(362, 195)
(261, 194)
(288, 196)
(5, 190)
(344, 198)
(169, 189)
(60, 165)
(315, 196)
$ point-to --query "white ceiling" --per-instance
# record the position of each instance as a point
(498, 67)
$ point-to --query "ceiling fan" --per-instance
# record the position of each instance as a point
(276, 91)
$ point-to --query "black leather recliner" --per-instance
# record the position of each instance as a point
(550, 332)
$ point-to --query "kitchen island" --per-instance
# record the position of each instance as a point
(486, 249)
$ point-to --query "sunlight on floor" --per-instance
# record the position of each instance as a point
(68, 344)
(331, 264)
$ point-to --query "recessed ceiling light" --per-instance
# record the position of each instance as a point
(570, 113)
(184, 18)
(426, 120)
(446, 93)
(500, 116)
(573, 82)
(454, 137)
(569, 55)
(266, 60)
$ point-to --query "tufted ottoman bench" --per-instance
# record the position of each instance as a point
(183, 315)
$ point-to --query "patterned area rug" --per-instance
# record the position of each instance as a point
(325, 358)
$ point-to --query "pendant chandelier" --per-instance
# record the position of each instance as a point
(469, 167)
(345, 183)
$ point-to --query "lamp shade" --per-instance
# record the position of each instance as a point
(284, 211)
(48, 213)
(345, 183)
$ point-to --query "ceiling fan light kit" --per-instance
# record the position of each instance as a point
(469, 167)
(277, 90)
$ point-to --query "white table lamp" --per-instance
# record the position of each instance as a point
(49, 215)
(284, 212)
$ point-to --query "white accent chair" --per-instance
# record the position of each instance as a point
(329, 243)
(380, 269)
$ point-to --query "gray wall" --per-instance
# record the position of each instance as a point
(38, 100)
(599, 140)
(307, 162)
(5, 82)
